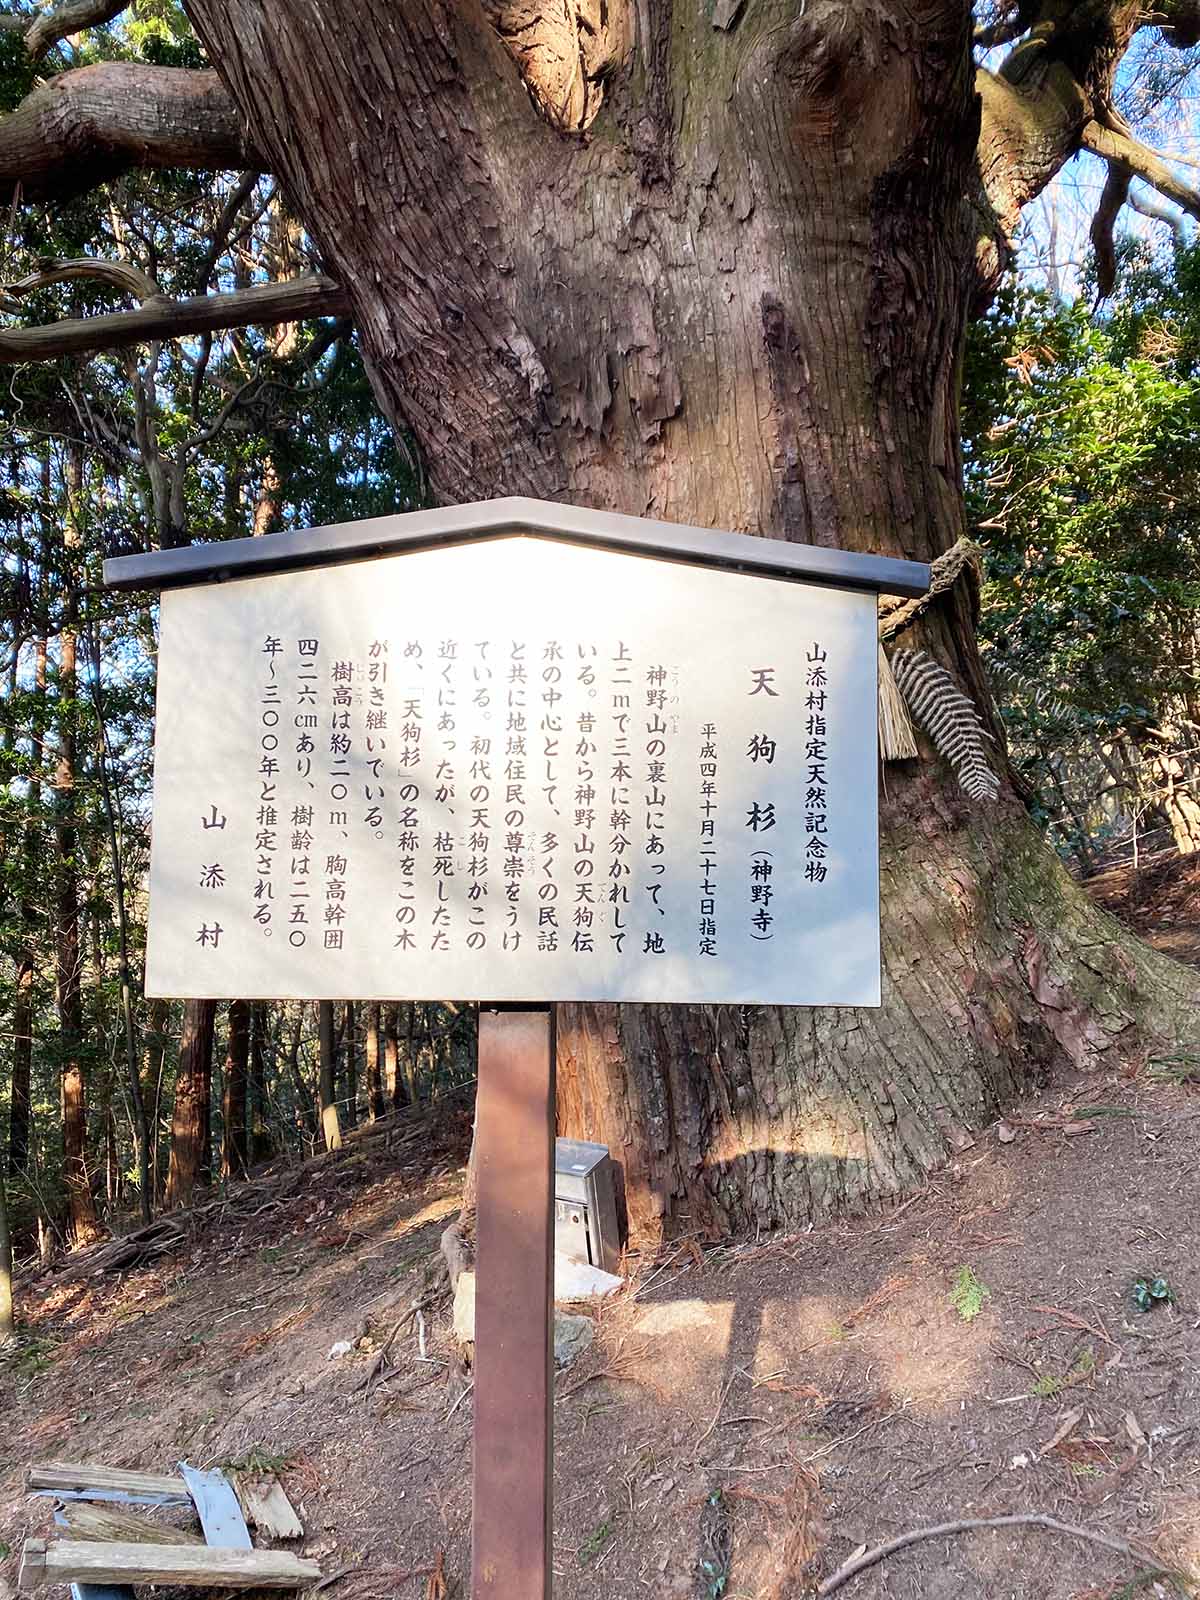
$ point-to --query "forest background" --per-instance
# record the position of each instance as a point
(1081, 435)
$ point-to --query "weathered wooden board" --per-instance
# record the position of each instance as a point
(81, 1521)
(46, 1561)
(218, 1509)
(266, 1506)
(84, 1476)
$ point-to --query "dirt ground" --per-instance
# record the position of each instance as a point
(748, 1416)
(1160, 900)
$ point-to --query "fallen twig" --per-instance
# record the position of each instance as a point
(1023, 1519)
(717, 1414)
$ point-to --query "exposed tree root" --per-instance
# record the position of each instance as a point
(1023, 1519)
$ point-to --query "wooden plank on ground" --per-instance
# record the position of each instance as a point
(85, 1475)
(202, 1566)
(82, 1521)
(266, 1505)
(217, 1507)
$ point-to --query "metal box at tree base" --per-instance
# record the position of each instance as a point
(585, 1204)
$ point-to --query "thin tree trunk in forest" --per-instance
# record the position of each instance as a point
(261, 1146)
(375, 1100)
(154, 1048)
(233, 1107)
(306, 1111)
(416, 1017)
(83, 1226)
(133, 1079)
(20, 1102)
(193, 1087)
(392, 1076)
(351, 1036)
(7, 1326)
(331, 1127)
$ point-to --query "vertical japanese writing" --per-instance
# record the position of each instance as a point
(707, 926)
(583, 916)
(816, 757)
(620, 774)
(550, 732)
(760, 817)
(480, 836)
(655, 800)
(516, 776)
(266, 837)
(305, 680)
(408, 769)
(444, 794)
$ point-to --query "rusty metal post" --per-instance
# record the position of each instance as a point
(514, 1374)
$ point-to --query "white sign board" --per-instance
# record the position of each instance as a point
(516, 770)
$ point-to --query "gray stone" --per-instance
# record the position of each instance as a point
(572, 1336)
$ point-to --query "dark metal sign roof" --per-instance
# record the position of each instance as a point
(449, 525)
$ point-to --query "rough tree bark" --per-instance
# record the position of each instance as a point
(392, 1076)
(233, 1106)
(331, 1127)
(193, 1087)
(375, 1103)
(350, 1032)
(261, 1143)
(7, 1325)
(716, 266)
(154, 1050)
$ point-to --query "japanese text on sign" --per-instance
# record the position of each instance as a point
(517, 770)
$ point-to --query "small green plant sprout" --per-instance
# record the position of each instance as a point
(258, 1461)
(1048, 1385)
(1149, 1291)
(1180, 1068)
(967, 1294)
(595, 1542)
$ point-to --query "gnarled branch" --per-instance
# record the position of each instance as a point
(71, 17)
(92, 123)
(121, 274)
(1052, 98)
(1156, 213)
(1116, 192)
(160, 318)
(1119, 148)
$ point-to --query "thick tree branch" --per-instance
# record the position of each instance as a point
(70, 17)
(265, 303)
(1178, 19)
(1157, 213)
(1116, 192)
(1053, 97)
(1011, 22)
(1120, 149)
(91, 124)
(121, 274)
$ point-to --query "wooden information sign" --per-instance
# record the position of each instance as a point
(516, 752)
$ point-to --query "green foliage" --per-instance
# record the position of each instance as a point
(1082, 445)
(1150, 1290)
(967, 1294)
(595, 1542)
(258, 1459)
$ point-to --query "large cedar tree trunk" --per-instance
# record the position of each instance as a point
(732, 294)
